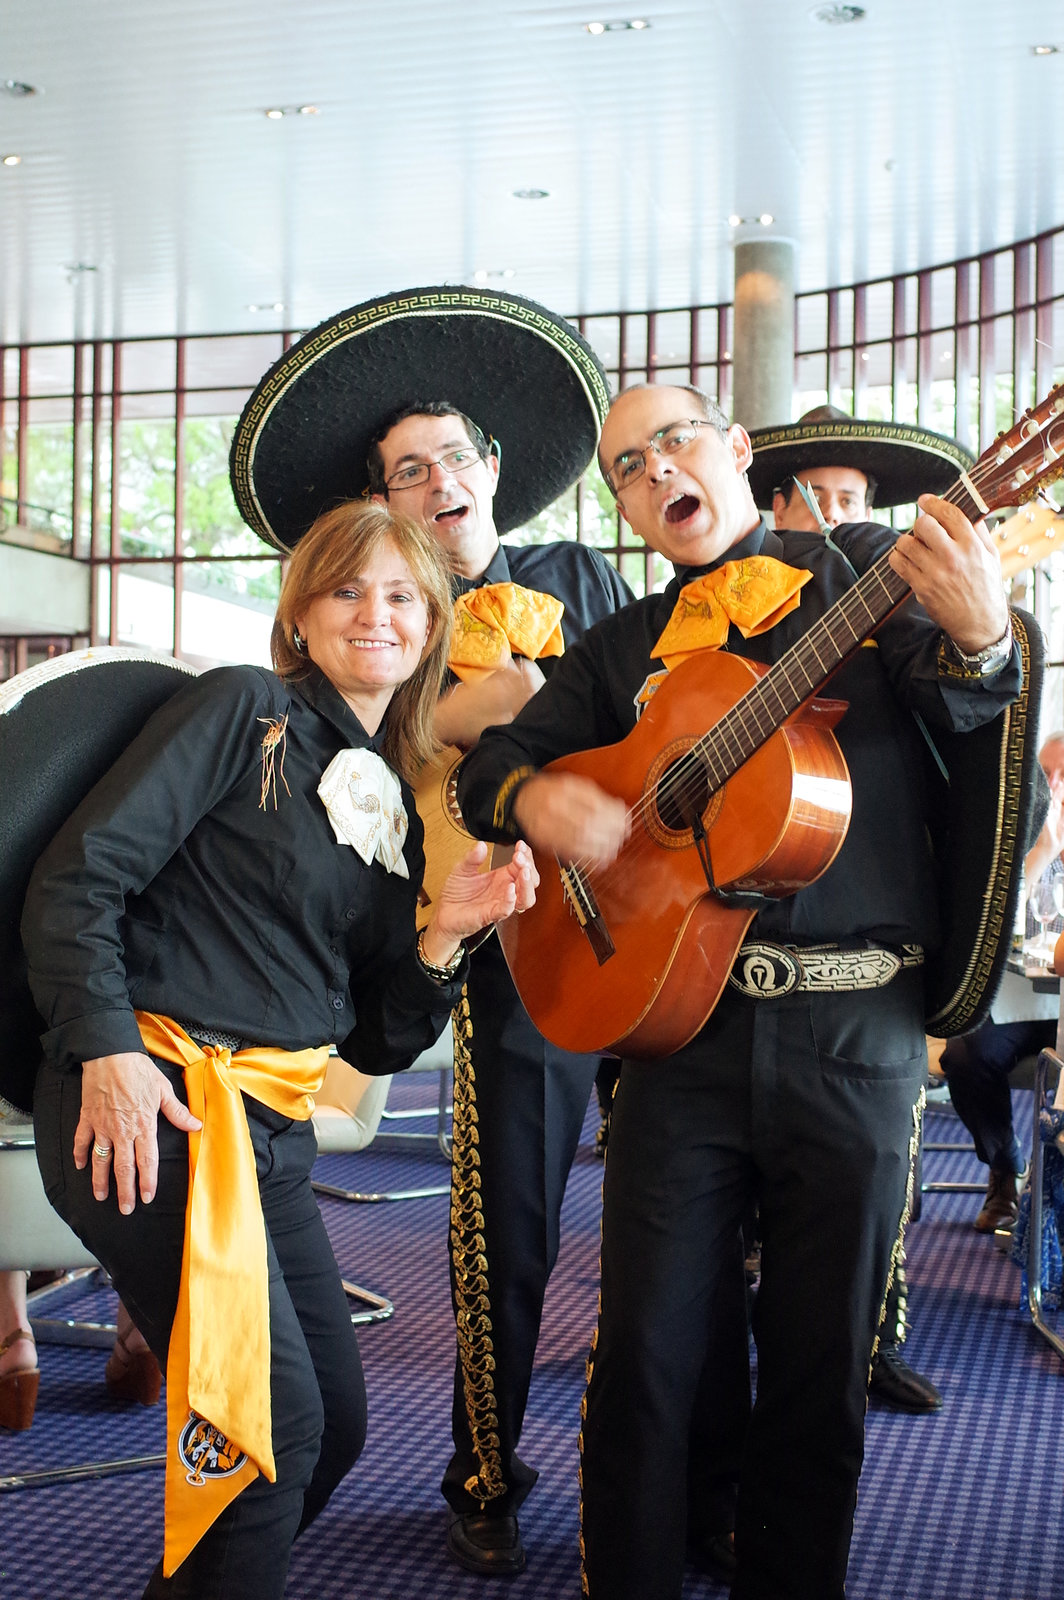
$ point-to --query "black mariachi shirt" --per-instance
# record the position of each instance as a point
(172, 889)
(881, 885)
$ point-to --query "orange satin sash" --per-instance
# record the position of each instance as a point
(218, 1422)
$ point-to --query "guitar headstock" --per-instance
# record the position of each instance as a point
(1024, 459)
(1028, 537)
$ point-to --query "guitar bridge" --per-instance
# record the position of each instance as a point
(583, 906)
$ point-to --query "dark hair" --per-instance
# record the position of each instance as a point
(417, 408)
(333, 551)
(786, 485)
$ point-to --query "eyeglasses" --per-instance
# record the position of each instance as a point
(416, 472)
(630, 465)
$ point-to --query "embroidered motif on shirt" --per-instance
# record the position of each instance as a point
(276, 736)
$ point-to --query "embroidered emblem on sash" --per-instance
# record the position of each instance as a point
(206, 1452)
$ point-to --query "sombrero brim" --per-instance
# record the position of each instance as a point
(524, 375)
(904, 461)
(62, 725)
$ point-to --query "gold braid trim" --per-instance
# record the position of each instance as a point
(471, 1288)
(897, 1254)
(502, 817)
(588, 1373)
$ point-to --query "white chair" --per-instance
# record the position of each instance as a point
(352, 1106)
(34, 1237)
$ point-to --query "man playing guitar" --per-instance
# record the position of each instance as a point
(798, 1091)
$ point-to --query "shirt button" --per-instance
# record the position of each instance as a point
(350, 915)
(337, 1002)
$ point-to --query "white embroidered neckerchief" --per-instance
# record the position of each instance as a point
(362, 796)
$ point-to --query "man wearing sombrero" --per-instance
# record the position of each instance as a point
(470, 412)
(848, 465)
(839, 466)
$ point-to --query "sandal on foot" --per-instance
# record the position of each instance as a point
(18, 1388)
(133, 1375)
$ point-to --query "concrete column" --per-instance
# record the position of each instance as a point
(763, 344)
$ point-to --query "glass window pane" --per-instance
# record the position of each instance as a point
(146, 497)
(812, 331)
(672, 342)
(146, 607)
(236, 362)
(51, 369)
(879, 311)
(227, 611)
(47, 494)
(212, 524)
(149, 364)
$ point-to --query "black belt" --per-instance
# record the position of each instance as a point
(765, 971)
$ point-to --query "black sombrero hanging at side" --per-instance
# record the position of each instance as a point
(62, 725)
(524, 375)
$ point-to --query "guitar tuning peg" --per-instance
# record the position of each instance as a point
(1003, 454)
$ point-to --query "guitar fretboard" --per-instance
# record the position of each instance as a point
(806, 667)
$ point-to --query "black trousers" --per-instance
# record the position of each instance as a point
(977, 1067)
(317, 1392)
(804, 1106)
(517, 1120)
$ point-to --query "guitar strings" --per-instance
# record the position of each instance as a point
(688, 776)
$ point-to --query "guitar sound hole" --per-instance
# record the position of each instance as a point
(683, 795)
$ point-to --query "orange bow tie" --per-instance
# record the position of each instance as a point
(501, 618)
(755, 593)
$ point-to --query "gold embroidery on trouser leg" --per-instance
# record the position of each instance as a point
(897, 1254)
(589, 1370)
(471, 1288)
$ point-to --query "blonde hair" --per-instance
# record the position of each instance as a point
(337, 548)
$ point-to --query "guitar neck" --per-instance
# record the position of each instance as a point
(807, 665)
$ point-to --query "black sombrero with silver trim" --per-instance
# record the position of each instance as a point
(524, 375)
(905, 461)
(62, 725)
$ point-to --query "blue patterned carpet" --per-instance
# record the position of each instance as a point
(964, 1505)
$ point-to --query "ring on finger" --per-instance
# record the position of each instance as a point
(104, 1151)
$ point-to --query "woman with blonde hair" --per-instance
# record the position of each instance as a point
(235, 896)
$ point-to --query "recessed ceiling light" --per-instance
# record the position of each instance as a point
(483, 274)
(835, 15)
(18, 90)
(764, 218)
(1044, 49)
(12, 161)
(619, 25)
(310, 111)
(734, 220)
(267, 305)
(275, 113)
(531, 194)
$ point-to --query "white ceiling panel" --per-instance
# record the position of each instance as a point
(153, 194)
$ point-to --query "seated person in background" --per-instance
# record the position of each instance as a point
(977, 1065)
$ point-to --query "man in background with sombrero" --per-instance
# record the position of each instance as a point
(840, 466)
(470, 412)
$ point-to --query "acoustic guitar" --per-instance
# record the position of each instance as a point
(736, 790)
(447, 839)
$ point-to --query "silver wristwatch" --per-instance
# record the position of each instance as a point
(984, 663)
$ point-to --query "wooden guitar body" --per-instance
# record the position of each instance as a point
(643, 976)
(447, 839)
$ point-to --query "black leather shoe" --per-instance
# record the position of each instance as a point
(895, 1384)
(489, 1545)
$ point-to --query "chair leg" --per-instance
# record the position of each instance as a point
(361, 1197)
(65, 1330)
(379, 1308)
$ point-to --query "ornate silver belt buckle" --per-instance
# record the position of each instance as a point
(766, 971)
